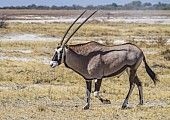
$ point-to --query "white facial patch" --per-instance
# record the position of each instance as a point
(53, 64)
(58, 52)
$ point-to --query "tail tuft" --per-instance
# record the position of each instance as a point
(150, 72)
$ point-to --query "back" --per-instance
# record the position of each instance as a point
(87, 48)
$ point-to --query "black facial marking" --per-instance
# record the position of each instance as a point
(57, 56)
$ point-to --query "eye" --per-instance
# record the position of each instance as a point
(61, 52)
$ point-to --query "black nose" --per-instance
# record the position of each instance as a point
(51, 65)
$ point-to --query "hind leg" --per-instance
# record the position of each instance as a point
(139, 84)
(132, 73)
(96, 92)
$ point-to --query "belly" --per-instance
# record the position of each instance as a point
(116, 73)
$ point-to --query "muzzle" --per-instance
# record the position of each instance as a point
(53, 64)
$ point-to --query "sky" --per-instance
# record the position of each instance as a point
(4, 3)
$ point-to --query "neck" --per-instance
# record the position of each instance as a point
(75, 61)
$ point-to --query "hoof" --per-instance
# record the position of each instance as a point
(124, 106)
(105, 101)
(87, 106)
(141, 103)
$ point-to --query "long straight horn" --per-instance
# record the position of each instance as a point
(70, 28)
(78, 28)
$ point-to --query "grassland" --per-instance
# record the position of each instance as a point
(30, 89)
(102, 13)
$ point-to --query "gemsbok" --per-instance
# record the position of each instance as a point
(95, 61)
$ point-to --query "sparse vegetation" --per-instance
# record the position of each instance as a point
(32, 90)
(166, 54)
(3, 23)
(161, 42)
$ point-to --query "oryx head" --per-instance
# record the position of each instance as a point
(60, 50)
(57, 58)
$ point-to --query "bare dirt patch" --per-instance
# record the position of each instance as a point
(27, 37)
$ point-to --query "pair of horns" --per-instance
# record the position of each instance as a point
(76, 28)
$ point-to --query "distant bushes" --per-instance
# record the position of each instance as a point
(3, 20)
(166, 54)
(134, 5)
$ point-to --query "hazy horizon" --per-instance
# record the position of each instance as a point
(5, 3)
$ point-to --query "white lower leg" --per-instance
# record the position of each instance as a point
(96, 94)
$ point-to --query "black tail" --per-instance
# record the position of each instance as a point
(150, 72)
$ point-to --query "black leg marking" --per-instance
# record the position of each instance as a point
(128, 95)
(96, 92)
(139, 84)
(131, 80)
(88, 91)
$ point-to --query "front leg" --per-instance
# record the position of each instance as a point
(88, 91)
(96, 92)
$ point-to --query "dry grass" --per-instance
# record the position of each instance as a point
(98, 31)
(32, 90)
